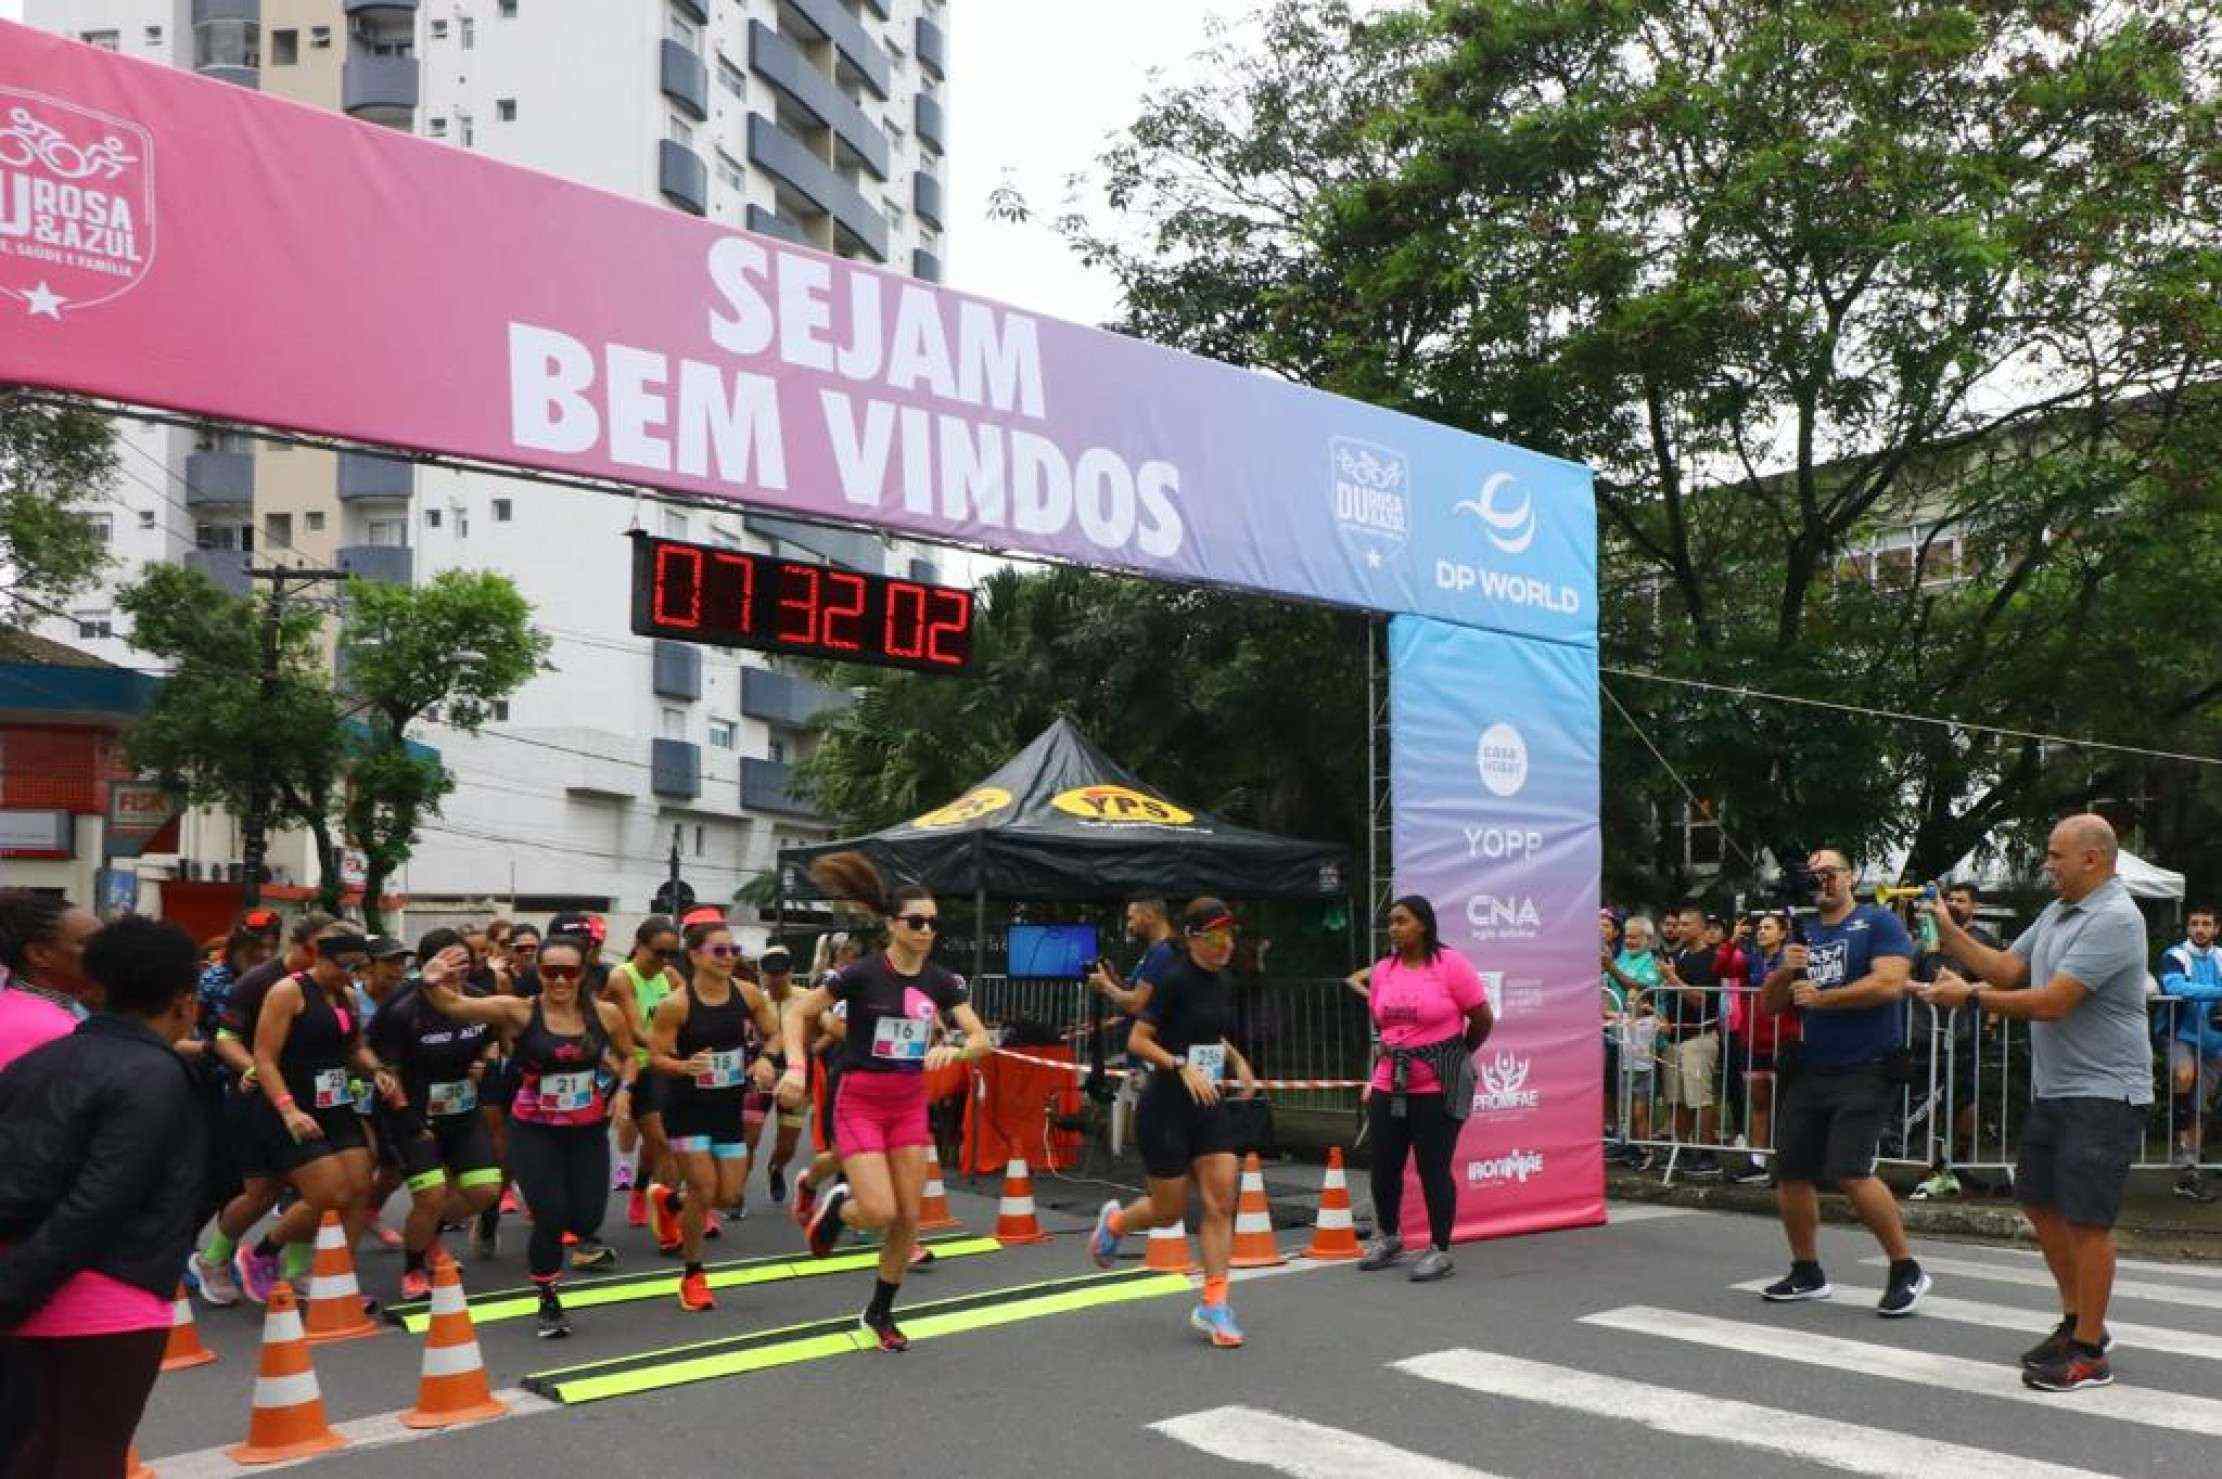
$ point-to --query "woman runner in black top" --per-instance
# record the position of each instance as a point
(704, 1040)
(893, 1001)
(1182, 1126)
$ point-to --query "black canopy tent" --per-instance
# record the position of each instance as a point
(1061, 820)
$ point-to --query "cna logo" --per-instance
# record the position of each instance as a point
(1513, 1167)
(1496, 917)
(1371, 491)
(76, 204)
(1502, 757)
(1509, 526)
(1504, 1086)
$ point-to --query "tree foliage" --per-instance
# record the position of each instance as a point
(53, 464)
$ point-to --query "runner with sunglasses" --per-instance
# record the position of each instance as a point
(639, 984)
(565, 1046)
(879, 1114)
(1183, 1127)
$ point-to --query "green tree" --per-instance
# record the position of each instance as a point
(53, 464)
(1796, 280)
(212, 732)
(456, 643)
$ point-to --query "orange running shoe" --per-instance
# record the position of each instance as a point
(663, 1222)
(694, 1293)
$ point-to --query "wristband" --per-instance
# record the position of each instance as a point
(284, 1102)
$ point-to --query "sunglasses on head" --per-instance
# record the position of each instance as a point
(918, 921)
(561, 972)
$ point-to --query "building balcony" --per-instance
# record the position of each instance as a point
(830, 20)
(227, 567)
(780, 155)
(771, 223)
(392, 564)
(774, 58)
(932, 49)
(851, 549)
(925, 198)
(379, 9)
(783, 699)
(924, 265)
(766, 785)
(683, 177)
(677, 669)
(880, 8)
(685, 80)
(675, 768)
(226, 10)
(238, 76)
(380, 89)
(213, 478)
(931, 124)
(368, 475)
(694, 8)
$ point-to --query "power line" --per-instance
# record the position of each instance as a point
(1606, 689)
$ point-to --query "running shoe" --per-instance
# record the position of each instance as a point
(415, 1284)
(257, 1272)
(1940, 1187)
(1217, 1321)
(1755, 1173)
(777, 1178)
(552, 1323)
(215, 1280)
(593, 1253)
(825, 1223)
(890, 1334)
(636, 1208)
(1381, 1252)
(1806, 1281)
(2071, 1370)
(570, 1240)
(2193, 1188)
(621, 1176)
(663, 1222)
(1103, 1244)
(920, 1256)
(713, 1225)
(387, 1237)
(1908, 1282)
(806, 1200)
(694, 1293)
(1434, 1264)
(2055, 1345)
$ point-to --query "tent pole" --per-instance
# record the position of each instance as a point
(980, 930)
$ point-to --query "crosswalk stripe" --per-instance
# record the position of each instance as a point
(1304, 1450)
(2011, 1317)
(1857, 1357)
(2139, 1265)
(1849, 1446)
(2039, 1278)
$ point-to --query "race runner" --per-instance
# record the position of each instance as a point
(639, 984)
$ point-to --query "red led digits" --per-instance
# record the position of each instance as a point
(804, 608)
(678, 593)
(733, 604)
(954, 622)
(904, 632)
(843, 626)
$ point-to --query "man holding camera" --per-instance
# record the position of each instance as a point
(2077, 977)
(1847, 979)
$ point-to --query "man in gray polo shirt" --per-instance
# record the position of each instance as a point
(2077, 976)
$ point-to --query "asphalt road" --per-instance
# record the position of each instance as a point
(1622, 1350)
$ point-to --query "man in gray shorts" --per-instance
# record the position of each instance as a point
(2077, 976)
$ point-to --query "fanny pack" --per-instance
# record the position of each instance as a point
(1453, 1063)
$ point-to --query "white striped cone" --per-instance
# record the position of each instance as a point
(933, 1202)
(1253, 1222)
(1168, 1250)
(452, 1388)
(185, 1348)
(1015, 1221)
(1333, 1236)
(288, 1416)
(334, 1308)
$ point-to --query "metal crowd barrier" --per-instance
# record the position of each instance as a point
(1964, 1109)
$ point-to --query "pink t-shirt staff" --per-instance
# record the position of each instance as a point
(1418, 1006)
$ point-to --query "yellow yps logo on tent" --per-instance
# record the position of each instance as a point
(1118, 804)
(969, 807)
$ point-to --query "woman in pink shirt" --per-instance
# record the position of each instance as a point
(42, 948)
(1430, 1012)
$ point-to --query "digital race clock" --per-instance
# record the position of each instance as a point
(702, 593)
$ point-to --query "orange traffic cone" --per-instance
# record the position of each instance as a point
(1168, 1250)
(335, 1306)
(1015, 1222)
(135, 1467)
(1333, 1237)
(453, 1387)
(185, 1348)
(933, 1205)
(1253, 1222)
(288, 1416)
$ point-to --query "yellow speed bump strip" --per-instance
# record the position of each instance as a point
(706, 1361)
(579, 1294)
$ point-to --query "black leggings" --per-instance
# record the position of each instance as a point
(1430, 1134)
(565, 1173)
(74, 1402)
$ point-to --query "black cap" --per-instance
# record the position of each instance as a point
(332, 947)
(386, 947)
(578, 922)
(775, 958)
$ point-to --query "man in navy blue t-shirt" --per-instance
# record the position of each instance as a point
(1847, 979)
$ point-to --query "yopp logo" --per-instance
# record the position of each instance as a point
(76, 204)
(1502, 757)
(1370, 487)
(1497, 917)
(1506, 523)
(1514, 1166)
(1504, 1086)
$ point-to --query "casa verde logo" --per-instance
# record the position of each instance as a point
(1120, 806)
(76, 204)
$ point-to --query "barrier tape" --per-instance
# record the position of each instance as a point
(1263, 1083)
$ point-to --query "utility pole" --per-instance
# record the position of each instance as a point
(254, 827)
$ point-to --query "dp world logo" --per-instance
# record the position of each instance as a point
(1371, 491)
(1514, 1167)
(1502, 757)
(76, 204)
(1508, 523)
(1504, 1086)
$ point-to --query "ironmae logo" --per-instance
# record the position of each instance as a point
(1504, 1088)
(76, 204)
(1514, 1166)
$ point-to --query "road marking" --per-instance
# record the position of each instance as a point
(2139, 1265)
(2038, 1278)
(1646, 1212)
(381, 1431)
(1859, 1358)
(1849, 1446)
(1305, 1450)
(2011, 1317)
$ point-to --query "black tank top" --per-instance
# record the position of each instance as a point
(560, 1079)
(727, 1029)
(313, 1061)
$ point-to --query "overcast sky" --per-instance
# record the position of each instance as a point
(1034, 90)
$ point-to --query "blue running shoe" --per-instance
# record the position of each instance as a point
(1103, 1244)
(1217, 1321)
